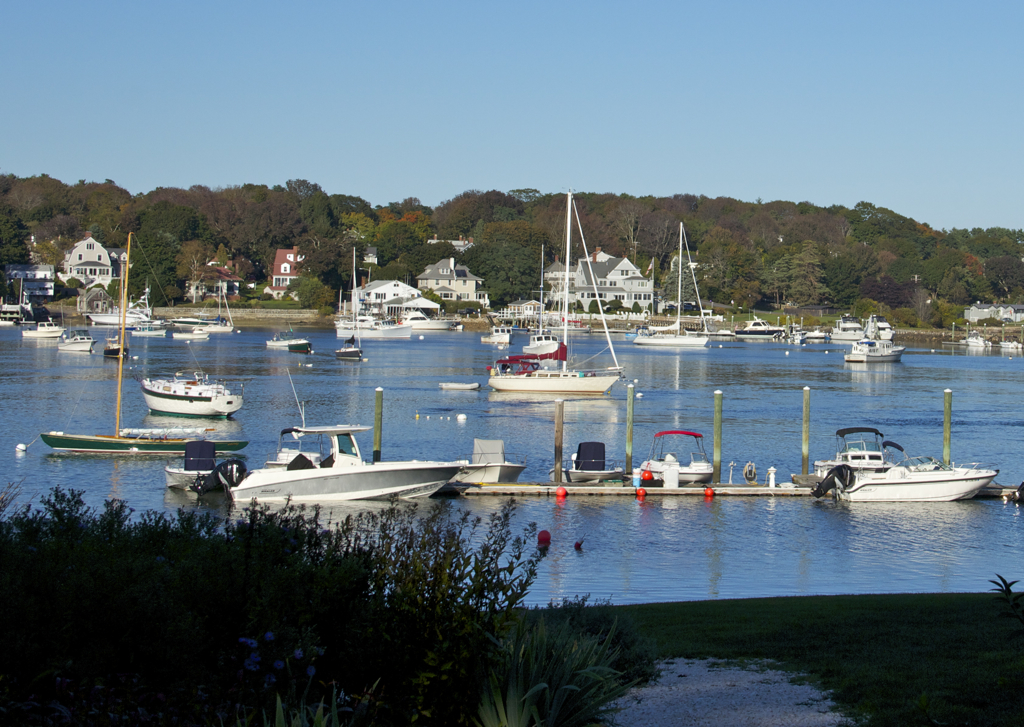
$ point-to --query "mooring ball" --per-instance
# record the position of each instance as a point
(641, 493)
(578, 545)
(646, 476)
(543, 538)
(561, 492)
(421, 338)
(708, 492)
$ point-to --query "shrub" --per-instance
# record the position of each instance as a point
(326, 311)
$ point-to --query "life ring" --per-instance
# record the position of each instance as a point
(750, 472)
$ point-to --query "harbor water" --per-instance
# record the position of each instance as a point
(658, 550)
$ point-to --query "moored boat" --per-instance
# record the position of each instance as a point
(869, 351)
(77, 340)
(914, 479)
(847, 330)
(758, 329)
(491, 464)
(43, 329)
(287, 341)
(588, 464)
(193, 395)
(666, 452)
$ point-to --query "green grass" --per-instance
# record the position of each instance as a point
(889, 659)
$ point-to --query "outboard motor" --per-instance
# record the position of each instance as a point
(225, 475)
(1018, 496)
(840, 475)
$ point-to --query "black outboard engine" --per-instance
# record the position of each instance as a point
(840, 475)
(225, 475)
(1018, 496)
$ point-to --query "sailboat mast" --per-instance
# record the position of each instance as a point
(679, 286)
(120, 342)
(540, 313)
(565, 300)
(696, 290)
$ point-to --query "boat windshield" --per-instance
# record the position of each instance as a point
(346, 445)
(924, 464)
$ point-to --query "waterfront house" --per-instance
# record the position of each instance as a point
(33, 282)
(453, 282)
(216, 281)
(385, 297)
(460, 245)
(93, 264)
(1000, 311)
(286, 269)
(617, 279)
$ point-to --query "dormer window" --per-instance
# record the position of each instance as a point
(285, 267)
(290, 257)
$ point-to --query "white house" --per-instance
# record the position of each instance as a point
(286, 269)
(980, 311)
(616, 278)
(36, 284)
(385, 297)
(460, 245)
(91, 263)
(453, 282)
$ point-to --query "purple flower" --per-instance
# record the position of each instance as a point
(251, 643)
(279, 664)
(251, 665)
(310, 671)
(269, 636)
(298, 654)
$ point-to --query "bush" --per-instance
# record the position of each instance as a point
(904, 317)
(326, 311)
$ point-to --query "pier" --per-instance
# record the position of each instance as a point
(550, 489)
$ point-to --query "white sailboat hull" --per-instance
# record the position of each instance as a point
(554, 382)
(660, 340)
(399, 331)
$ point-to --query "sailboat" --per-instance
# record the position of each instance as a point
(523, 373)
(352, 350)
(132, 441)
(220, 325)
(675, 336)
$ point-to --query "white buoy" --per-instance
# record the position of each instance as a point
(787, 353)
(428, 417)
(421, 338)
(21, 448)
(826, 353)
(460, 418)
(135, 358)
(640, 396)
(636, 381)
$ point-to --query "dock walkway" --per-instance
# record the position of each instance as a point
(549, 489)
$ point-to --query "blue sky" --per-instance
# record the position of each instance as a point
(915, 106)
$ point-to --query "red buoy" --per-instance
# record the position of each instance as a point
(579, 543)
(708, 492)
(561, 492)
(641, 493)
(646, 476)
(543, 539)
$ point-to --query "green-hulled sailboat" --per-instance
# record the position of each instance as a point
(132, 441)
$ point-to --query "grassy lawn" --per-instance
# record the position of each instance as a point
(889, 659)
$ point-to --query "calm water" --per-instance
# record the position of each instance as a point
(660, 550)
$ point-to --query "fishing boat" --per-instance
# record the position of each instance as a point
(370, 327)
(499, 335)
(287, 341)
(976, 340)
(588, 464)
(491, 464)
(333, 470)
(44, 329)
(869, 351)
(757, 329)
(352, 348)
(132, 441)
(77, 340)
(525, 374)
(861, 448)
(675, 336)
(149, 330)
(847, 330)
(542, 343)
(666, 452)
(134, 314)
(192, 395)
(200, 471)
(199, 333)
(420, 322)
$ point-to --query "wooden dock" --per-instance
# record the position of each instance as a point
(549, 489)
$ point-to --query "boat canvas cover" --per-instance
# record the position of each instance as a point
(200, 455)
(590, 457)
(561, 354)
(488, 451)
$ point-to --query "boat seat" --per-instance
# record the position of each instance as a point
(327, 463)
(300, 462)
(589, 457)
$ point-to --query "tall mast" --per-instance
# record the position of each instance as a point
(679, 285)
(120, 342)
(568, 247)
(693, 272)
(540, 315)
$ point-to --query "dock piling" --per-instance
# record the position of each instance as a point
(629, 430)
(806, 438)
(378, 422)
(559, 418)
(947, 417)
(716, 475)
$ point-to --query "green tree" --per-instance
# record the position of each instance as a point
(12, 239)
(311, 292)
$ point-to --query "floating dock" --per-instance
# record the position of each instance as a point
(549, 489)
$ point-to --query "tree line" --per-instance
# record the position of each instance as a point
(749, 253)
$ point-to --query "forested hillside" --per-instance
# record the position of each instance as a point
(752, 253)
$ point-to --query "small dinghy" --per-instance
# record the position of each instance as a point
(455, 386)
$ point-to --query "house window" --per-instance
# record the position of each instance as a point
(79, 257)
(88, 246)
(285, 267)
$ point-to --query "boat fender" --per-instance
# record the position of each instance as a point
(750, 473)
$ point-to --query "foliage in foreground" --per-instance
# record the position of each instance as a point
(187, 619)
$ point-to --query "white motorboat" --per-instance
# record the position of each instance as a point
(757, 329)
(976, 340)
(914, 479)
(498, 334)
(421, 322)
(524, 373)
(43, 329)
(588, 464)
(333, 470)
(200, 471)
(816, 336)
(665, 453)
(490, 464)
(847, 330)
(191, 395)
(77, 340)
(148, 330)
(286, 340)
(860, 448)
(878, 328)
(199, 333)
(542, 343)
(369, 327)
(881, 351)
(675, 336)
(1011, 346)
(138, 312)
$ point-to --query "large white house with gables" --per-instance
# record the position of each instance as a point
(616, 278)
(92, 264)
(453, 282)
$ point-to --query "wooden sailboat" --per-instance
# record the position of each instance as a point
(132, 441)
(523, 373)
(675, 336)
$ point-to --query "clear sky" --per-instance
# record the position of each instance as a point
(914, 106)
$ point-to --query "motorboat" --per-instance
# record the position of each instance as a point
(491, 464)
(542, 343)
(421, 322)
(914, 479)
(665, 453)
(132, 441)
(847, 330)
(588, 464)
(77, 340)
(758, 329)
(816, 336)
(148, 330)
(498, 334)
(869, 351)
(136, 313)
(675, 336)
(44, 329)
(333, 470)
(370, 327)
(1011, 346)
(976, 340)
(860, 448)
(287, 341)
(199, 470)
(796, 334)
(199, 333)
(524, 374)
(192, 395)
(878, 328)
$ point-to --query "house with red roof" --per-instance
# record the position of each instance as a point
(287, 263)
